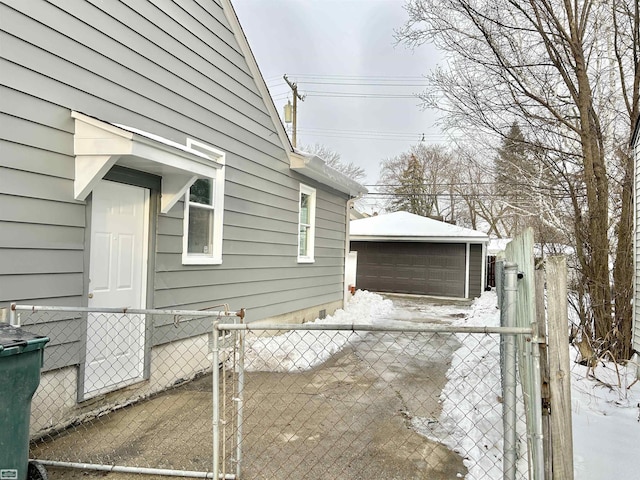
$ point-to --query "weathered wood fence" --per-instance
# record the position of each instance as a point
(542, 303)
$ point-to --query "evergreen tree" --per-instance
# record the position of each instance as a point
(411, 194)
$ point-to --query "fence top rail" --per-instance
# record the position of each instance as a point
(429, 328)
(124, 310)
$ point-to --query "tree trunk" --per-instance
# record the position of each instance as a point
(623, 268)
(597, 188)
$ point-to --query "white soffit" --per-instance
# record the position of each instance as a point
(314, 167)
(99, 145)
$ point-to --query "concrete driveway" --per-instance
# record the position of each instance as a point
(349, 418)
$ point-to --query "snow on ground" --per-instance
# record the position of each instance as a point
(301, 350)
(606, 414)
(471, 419)
(606, 421)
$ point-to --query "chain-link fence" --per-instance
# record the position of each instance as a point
(137, 391)
(343, 401)
(123, 390)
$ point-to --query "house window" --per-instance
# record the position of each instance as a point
(204, 211)
(202, 242)
(306, 224)
(200, 226)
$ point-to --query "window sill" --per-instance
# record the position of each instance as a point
(196, 260)
(306, 260)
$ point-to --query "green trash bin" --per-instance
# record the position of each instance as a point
(21, 355)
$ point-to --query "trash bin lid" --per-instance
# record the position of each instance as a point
(14, 340)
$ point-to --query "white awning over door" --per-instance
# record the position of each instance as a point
(99, 145)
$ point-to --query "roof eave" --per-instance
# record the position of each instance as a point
(391, 238)
(312, 166)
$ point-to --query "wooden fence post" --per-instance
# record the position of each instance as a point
(560, 374)
(541, 320)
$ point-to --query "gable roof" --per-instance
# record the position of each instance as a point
(407, 226)
(301, 163)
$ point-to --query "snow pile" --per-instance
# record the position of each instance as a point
(304, 349)
(606, 414)
(471, 419)
(606, 420)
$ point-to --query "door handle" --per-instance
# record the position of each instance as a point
(91, 295)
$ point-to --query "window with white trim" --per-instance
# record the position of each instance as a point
(306, 224)
(203, 215)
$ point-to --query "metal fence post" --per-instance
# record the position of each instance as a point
(216, 401)
(536, 406)
(240, 402)
(509, 285)
(14, 319)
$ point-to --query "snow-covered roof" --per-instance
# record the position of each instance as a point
(497, 245)
(408, 226)
(312, 166)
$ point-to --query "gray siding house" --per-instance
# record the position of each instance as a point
(139, 147)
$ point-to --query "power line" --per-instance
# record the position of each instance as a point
(371, 132)
(356, 80)
(366, 84)
(374, 135)
(499, 195)
(464, 184)
(320, 93)
(353, 83)
(359, 77)
(409, 139)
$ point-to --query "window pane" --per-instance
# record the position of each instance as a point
(200, 231)
(304, 208)
(201, 192)
(304, 236)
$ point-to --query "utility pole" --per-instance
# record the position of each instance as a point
(296, 96)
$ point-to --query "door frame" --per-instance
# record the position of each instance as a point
(153, 184)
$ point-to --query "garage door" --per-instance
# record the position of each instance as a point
(409, 267)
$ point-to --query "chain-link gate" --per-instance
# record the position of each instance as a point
(124, 390)
(210, 399)
(364, 401)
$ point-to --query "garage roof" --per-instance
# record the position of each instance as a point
(410, 227)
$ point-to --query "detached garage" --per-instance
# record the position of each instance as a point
(405, 253)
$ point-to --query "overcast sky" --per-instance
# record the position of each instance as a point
(338, 42)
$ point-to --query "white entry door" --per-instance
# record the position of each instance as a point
(117, 278)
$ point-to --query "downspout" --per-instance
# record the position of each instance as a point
(347, 247)
(467, 269)
(483, 275)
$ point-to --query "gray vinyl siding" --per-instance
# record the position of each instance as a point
(260, 271)
(636, 303)
(174, 69)
(475, 270)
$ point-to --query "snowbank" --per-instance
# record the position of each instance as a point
(303, 350)
(606, 414)
(606, 420)
(471, 419)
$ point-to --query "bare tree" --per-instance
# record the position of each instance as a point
(481, 206)
(419, 181)
(569, 74)
(334, 160)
